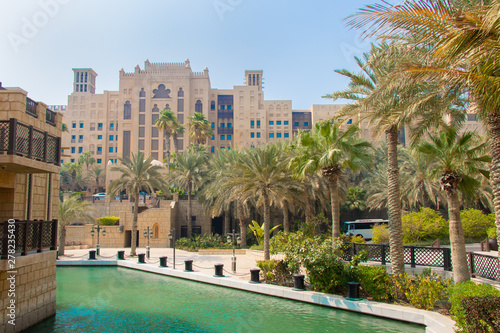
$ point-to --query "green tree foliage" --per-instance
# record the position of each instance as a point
(427, 224)
(476, 223)
(72, 210)
(380, 234)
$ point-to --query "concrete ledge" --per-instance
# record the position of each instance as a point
(434, 322)
(219, 252)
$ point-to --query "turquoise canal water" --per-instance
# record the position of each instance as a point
(113, 299)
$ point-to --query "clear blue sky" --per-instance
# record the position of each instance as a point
(297, 43)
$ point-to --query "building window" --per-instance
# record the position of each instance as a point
(229, 137)
(81, 124)
(154, 118)
(110, 149)
(349, 122)
(306, 123)
(271, 122)
(212, 149)
(154, 132)
(142, 119)
(222, 107)
(80, 150)
(198, 107)
(258, 134)
(73, 138)
(180, 93)
(72, 160)
(229, 107)
(154, 144)
(127, 110)
(213, 136)
(278, 122)
(99, 149)
(222, 147)
(252, 134)
(112, 125)
(252, 123)
(278, 135)
(296, 123)
(287, 135)
(99, 161)
(73, 125)
(99, 137)
(73, 150)
(213, 125)
(222, 125)
(285, 122)
(99, 126)
(271, 135)
(142, 132)
(223, 137)
(111, 138)
(258, 123)
(180, 105)
(212, 105)
(141, 144)
(229, 125)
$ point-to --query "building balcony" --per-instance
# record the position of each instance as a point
(225, 130)
(26, 149)
(224, 114)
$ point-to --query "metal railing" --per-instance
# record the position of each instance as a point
(23, 140)
(225, 130)
(225, 114)
(25, 237)
(479, 265)
(31, 107)
(50, 117)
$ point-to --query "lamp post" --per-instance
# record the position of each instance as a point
(148, 233)
(171, 236)
(98, 228)
(230, 239)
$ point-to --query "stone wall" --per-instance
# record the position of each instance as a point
(35, 290)
(202, 219)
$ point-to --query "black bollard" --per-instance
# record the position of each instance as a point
(92, 255)
(255, 275)
(353, 289)
(163, 262)
(141, 258)
(298, 282)
(188, 265)
(121, 255)
(218, 269)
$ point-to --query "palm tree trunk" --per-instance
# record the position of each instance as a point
(309, 209)
(394, 204)
(62, 238)
(226, 223)
(167, 144)
(286, 216)
(267, 223)
(334, 201)
(176, 144)
(189, 213)
(243, 224)
(494, 131)
(134, 224)
(457, 240)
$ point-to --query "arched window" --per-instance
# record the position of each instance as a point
(167, 107)
(161, 92)
(198, 107)
(156, 231)
(155, 108)
(180, 93)
(127, 110)
(142, 93)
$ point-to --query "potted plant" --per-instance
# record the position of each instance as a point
(492, 238)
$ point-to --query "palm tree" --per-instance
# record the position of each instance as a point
(166, 123)
(97, 173)
(72, 210)
(328, 149)
(137, 174)
(177, 130)
(87, 159)
(457, 159)
(462, 42)
(188, 172)
(73, 169)
(199, 129)
(261, 175)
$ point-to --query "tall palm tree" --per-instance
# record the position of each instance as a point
(97, 173)
(87, 159)
(457, 159)
(72, 210)
(199, 129)
(177, 130)
(261, 175)
(73, 169)
(328, 149)
(461, 38)
(188, 172)
(137, 174)
(166, 123)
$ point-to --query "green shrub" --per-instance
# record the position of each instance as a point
(197, 242)
(423, 291)
(74, 194)
(277, 271)
(257, 247)
(423, 225)
(380, 234)
(476, 223)
(108, 220)
(481, 314)
(492, 232)
(352, 239)
(467, 289)
(375, 282)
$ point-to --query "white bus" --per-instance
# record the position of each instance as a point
(363, 228)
